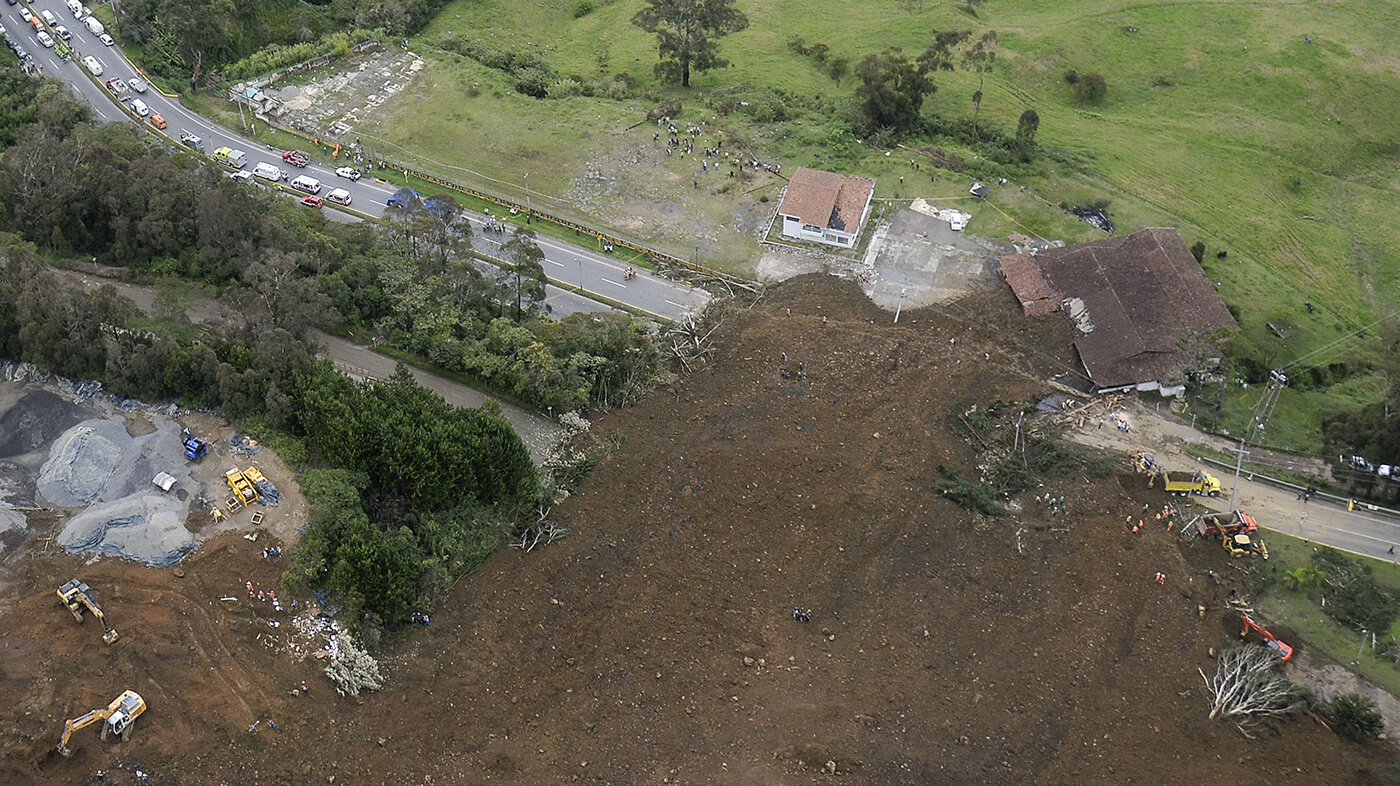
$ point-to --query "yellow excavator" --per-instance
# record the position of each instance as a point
(78, 596)
(117, 718)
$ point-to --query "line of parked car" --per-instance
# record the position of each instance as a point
(1360, 464)
(60, 36)
(275, 174)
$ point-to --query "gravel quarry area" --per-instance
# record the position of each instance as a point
(72, 453)
(83, 462)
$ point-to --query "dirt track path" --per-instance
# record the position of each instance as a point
(357, 361)
(361, 362)
(1325, 520)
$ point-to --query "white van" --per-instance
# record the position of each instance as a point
(139, 107)
(92, 65)
(268, 171)
(308, 184)
(76, 8)
(48, 17)
(94, 25)
(339, 196)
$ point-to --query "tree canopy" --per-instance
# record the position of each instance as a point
(892, 90)
(686, 33)
(893, 86)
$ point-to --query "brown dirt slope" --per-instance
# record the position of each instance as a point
(655, 644)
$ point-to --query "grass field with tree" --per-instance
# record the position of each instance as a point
(1267, 132)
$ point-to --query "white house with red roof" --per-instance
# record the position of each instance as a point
(824, 207)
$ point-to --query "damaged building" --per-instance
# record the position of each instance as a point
(1142, 310)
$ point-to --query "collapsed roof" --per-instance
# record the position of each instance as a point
(1136, 303)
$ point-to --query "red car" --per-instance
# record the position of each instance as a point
(311, 200)
(296, 157)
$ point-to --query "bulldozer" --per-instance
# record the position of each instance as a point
(1146, 464)
(117, 718)
(1284, 651)
(1243, 545)
(77, 595)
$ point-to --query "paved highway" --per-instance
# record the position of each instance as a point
(574, 269)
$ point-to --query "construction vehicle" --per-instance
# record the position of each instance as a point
(243, 490)
(1236, 530)
(1244, 545)
(117, 718)
(77, 596)
(1284, 651)
(195, 448)
(1198, 482)
(1145, 463)
(1232, 523)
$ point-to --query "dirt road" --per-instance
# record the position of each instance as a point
(360, 362)
(356, 360)
(1322, 520)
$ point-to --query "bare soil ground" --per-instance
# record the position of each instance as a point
(656, 644)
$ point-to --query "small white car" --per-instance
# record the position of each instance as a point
(106, 39)
(138, 84)
(958, 223)
(25, 15)
(63, 32)
(46, 39)
(241, 176)
(349, 173)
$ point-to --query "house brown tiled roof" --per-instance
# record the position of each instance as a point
(1037, 295)
(1134, 300)
(826, 199)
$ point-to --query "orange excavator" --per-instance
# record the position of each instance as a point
(1284, 651)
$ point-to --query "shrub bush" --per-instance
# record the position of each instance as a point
(1355, 717)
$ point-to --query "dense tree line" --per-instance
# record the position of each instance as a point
(190, 39)
(413, 492)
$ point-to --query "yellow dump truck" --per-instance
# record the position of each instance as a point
(1183, 483)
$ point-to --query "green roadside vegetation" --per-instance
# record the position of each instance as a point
(1287, 603)
(224, 113)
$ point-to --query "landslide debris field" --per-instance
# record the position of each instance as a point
(656, 643)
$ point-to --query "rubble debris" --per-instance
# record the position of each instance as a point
(244, 445)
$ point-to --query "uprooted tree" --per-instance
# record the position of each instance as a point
(1246, 689)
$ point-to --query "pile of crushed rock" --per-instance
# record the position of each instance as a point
(98, 464)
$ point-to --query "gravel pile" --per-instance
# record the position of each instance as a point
(83, 462)
(98, 461)
(145, 528)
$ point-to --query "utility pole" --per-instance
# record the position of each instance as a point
(900, 308)
(528, 209)
(1263, 411)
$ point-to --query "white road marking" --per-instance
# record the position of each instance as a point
(552, 262)
(614, 283)
(674, 303)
